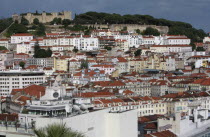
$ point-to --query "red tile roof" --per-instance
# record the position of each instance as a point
(121, 59)
(31, 67)
(9, 117)
(150, 126)
(127, 92)
(22, 34)
(109, 83)
(95, 94)
(32, 90)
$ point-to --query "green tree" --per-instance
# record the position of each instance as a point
(56, 21)
(151, 31)
(108, 48)
(16, 28)
(40, 30)
(49, 52)
(193, 46)
(137, 52)
(84, 64)
(75, 50)
(175, 27)
(24, 21)
(4, 23)
(138, 31)
(42, 53)
(22, 64)
(59, 21)
(87, 32)
(203, 89)
(192, 33)
(66, 22)
(56, 130)
(36, 21)
(36, 49)
(200, 49)
(3, 48)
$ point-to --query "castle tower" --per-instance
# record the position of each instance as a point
(44, 16)
(16, 17)
(67, 15)
(54, 15)
(29, 18)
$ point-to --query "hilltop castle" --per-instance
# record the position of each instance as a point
(43, 17)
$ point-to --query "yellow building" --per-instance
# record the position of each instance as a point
(61, 63)
(137, 64)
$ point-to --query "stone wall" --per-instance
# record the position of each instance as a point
(43, 17)
(130, 27)
(116, 27)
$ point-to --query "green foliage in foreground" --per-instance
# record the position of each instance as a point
(56, 130)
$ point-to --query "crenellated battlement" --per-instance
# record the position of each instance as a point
(43, 17)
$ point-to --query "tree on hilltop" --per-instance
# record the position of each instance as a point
(151, 31)
(36, 21)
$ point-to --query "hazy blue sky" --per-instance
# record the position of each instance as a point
(196, 12)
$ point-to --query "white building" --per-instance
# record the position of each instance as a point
(21, 37)
(51, 109)
(150, 40)
(85, 43)
(206, 39)
(176, 40)
(171, 48)
(170, 63)
(200, 62)
(107, 68)
(24, 47)
(39, 41)
(6, 59)
(132, 40)
(43, 62)
(4, 43)
(99, 123)
(17, 79)
(86, 75)
(121, 64)
(159, 88)
(192, 123)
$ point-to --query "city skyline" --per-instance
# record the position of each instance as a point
(193, 12)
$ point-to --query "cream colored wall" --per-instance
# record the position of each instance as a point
(61, 64)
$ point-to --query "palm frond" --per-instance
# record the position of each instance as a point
(40, 132)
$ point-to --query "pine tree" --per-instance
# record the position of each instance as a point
(36, 49)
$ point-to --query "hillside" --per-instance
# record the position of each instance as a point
(4, 23)
(175, 27)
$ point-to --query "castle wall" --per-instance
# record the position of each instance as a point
(44, 18)
(130, 27)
